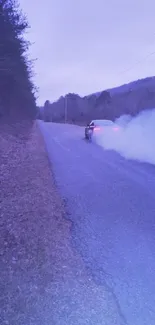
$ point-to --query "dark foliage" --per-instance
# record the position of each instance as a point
(104, 97)
(17, 92)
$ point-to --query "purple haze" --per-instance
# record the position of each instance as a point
(87, 46)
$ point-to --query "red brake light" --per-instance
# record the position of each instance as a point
(96, 129)
(115, 128)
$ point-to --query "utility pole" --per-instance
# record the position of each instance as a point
(66, 109)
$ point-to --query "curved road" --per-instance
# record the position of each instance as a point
(111, 203)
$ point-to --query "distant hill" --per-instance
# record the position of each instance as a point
(145, 82)
(109, 104)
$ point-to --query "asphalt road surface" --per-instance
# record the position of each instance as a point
(111, 203)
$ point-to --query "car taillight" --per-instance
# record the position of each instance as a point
(96, 129)
(116, 129)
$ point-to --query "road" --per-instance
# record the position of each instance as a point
(111, 204)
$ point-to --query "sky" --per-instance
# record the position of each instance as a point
(84, 46)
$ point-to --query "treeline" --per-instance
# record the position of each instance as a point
(17, 91)
(128, 99)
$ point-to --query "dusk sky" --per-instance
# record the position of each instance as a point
(84, 46)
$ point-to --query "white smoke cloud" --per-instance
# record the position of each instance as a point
(135, 139)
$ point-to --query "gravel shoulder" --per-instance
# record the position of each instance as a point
(43, 280)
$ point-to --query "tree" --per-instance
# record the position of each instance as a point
(104, 98)
(17, 91)
(47, 111)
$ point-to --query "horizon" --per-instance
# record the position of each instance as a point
(107, 49)
(98, 92)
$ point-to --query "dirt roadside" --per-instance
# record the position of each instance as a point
(43, 281)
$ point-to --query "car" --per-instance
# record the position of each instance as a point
(98, 127)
